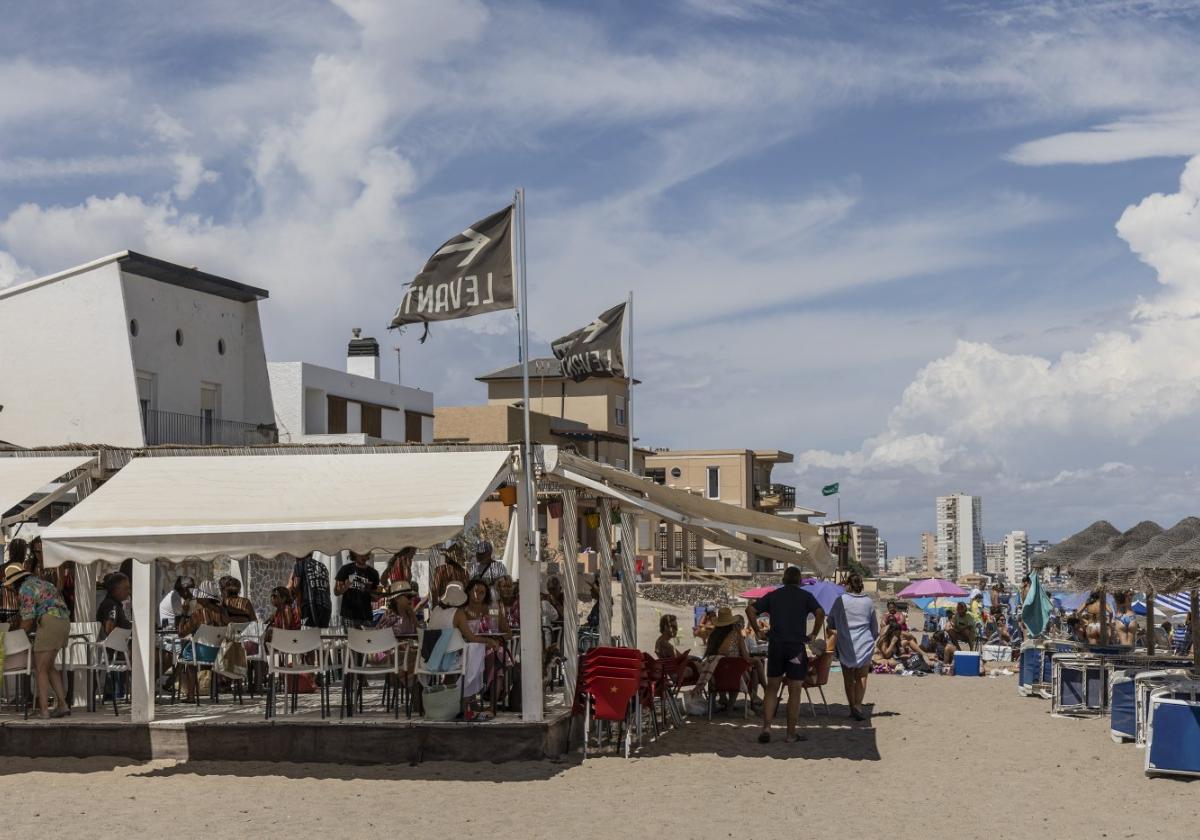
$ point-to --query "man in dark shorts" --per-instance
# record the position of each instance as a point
(310, 589)
(789, 607)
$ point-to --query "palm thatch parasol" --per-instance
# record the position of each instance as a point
(1106, 566)
(1078, 546)
(1176, 569)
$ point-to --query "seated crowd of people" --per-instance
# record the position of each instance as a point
(478, 599)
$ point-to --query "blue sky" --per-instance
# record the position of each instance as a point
(927, 247)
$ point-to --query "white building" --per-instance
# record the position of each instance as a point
(993, 558)
(960, 535)
(315, 404)
(132, 351)
(902, 564)
(1017, 554)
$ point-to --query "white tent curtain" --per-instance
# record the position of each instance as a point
(512, 557)
(628, 581)
(570, 633)
(604, 577)
(204, 508)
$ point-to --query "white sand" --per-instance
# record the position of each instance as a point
(942, 756)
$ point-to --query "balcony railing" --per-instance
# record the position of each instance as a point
(775, 497)
(167, 427)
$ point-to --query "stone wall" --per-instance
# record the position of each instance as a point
(687, 594)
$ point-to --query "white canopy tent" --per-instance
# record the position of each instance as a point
(23, 476)
(187, 508)
(206, 507)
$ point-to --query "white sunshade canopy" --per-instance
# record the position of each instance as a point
(734, 527)
(206, 507)
(22, 476)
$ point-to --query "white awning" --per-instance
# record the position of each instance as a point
(22, 476)
(760, 533)
(205, 507)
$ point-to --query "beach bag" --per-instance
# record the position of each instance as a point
(231, 660)
(441, 702)
(514, 689)
(917, 663)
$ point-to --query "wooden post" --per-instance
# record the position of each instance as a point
(1150, 628)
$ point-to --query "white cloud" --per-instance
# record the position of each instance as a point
(20, 169)
(1175, 134)
(1125, 385)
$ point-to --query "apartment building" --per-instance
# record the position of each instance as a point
(866, 547)
(130, 350)
(740, 477)
(1017, 554)
(928, 553)
(993, 558)
(959, 538)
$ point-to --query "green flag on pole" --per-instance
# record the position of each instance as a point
(829, 489)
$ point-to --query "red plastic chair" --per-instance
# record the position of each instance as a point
(818, 678)
(729, 677)
(608, 698)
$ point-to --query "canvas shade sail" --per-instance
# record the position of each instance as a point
(21, 477)
(232, 506)
(759, 533)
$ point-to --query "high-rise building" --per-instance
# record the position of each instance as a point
(1017, 553)
(993, 558)
(960, 535)
(902, 563)
(882, 562)
(864, 546)
(928, 553)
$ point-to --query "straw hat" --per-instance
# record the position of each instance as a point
(454, 595)
(400, 587)
(14, 573)
(725, 617)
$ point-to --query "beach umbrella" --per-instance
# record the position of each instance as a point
(1077, 546)
(826, 592)
(1107, 565)
(1178, 570)
(757, 592)
(1169, 605)
(931, 588)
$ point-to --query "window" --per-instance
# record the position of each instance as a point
(372, 421)
(620, 403)
(179, 337)
(337, 416)
(714, 483)
(412, 427)
(657, 474)
(676, 472)
(145, 392)
(133, 327)
(620, 463)
(220, 347)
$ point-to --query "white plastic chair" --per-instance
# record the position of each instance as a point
(208, 636)
(112, 657)
(292, 653)
(17, 642)
(424, 670)
(358, 651)
(257, 661)
(79, 654)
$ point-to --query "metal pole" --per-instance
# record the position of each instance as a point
(629, 380)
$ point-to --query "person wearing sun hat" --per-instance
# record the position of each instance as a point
(43, 611)
(448, 616)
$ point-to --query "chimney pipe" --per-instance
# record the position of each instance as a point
(362, 355)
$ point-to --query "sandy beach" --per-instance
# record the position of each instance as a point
(966, 755)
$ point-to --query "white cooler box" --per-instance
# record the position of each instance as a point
(997, 653)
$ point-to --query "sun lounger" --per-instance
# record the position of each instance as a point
(1173, 730)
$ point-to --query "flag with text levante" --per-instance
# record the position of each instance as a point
(594, 350)
(470, 274)
(829, 489)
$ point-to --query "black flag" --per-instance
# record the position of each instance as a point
(594, 350)
(470, 274)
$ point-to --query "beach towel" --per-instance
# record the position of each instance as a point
(1035, 611)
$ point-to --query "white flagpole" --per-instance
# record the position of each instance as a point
(528, 552)
(629, 380)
